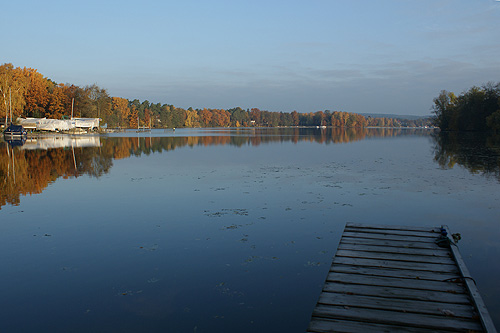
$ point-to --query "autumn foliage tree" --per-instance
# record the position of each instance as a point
(221, 118)
(119, 106)
(192, 118)
(133, 117)
(36, 95)
(205, 117)
(58, 101)
(12, 88)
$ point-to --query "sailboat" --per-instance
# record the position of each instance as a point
(13, 132)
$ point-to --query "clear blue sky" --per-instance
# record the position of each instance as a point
(383, 56)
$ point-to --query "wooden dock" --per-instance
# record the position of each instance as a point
(398, 279)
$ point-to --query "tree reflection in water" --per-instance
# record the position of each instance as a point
(477, 152)
(28, 168)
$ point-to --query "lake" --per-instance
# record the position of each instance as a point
(223, 230)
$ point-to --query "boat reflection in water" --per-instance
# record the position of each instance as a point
(63, 141)
(15, 142)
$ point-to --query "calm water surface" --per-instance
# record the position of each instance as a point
(222, 230)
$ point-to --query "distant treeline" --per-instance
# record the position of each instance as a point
(28, 93)
(477, 109)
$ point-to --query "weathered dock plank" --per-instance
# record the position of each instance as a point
(391, 272)
(393, 304)
(393, 243)
(426, 234)
(324, 325)
(398, 293)
(395, 256)
(396, 282)
(369, 235)
(391, 227)
(396, 264)
(454, 324)
(397, 279)
(393, 249)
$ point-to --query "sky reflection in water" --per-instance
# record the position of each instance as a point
(203, 231)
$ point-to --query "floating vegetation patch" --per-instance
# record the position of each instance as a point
(138, 179)
(237, 211)
(216, 214)
(224, 289)
(68, 269)
(227, 211)
(312, 264)
(255, 258)
(153, 247)
(129, 293)
(153, 280)
(232, 226)
(332, 185)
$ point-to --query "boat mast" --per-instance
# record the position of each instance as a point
(10, 105)
(72, 102)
